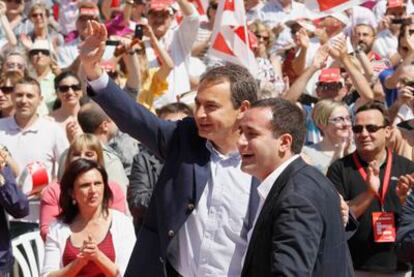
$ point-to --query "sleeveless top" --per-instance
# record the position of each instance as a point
(90, 269)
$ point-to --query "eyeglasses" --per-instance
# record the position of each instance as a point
(329, 86)
(34, 15)
(6, 90)
(38, 51)
(371, 128)
(65, 88)
(340, 119)
(11, 65)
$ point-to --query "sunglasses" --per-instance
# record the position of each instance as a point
(6, 90)
(38, 51)
(213, 6)
(65, 88)
(340, 119)
(371, 128)
(34, 15)
(330, 86)
(259, 37)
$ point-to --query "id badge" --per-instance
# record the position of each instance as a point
(383, 224)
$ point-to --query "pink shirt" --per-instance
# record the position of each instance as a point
(49, 204)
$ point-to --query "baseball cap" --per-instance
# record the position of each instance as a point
(395, 4)
(305, 23)
(40, 44)
(161, 5)
(88, 9)
(330, 75)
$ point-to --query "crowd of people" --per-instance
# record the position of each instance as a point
(151, 155)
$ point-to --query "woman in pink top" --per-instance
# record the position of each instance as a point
(85, 146)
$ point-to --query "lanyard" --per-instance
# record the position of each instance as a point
(387, 175)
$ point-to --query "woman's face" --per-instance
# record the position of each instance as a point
(38, 17)
(338, 128)
(69, 91)
(88, 190)
(84, 153)
(263, 38)
(6, 89)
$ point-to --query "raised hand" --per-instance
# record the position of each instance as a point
(302, 38)
(319, 60)
(92, 49)
(373, 179)
(404, 186)
(337, 48)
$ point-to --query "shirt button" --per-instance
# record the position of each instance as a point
(170, 233)
(190, 206)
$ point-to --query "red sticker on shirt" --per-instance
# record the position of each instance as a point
(383, 224)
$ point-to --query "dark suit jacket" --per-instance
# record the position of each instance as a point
(144, 175)
(182, 180)
(299, 231)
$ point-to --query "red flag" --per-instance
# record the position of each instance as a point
(230, 36)
(331, 6)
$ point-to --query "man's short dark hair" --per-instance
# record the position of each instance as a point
(90, 117)
(242, 84)
(173, 108)
(29, 81)
(287, 118)
(376, 105)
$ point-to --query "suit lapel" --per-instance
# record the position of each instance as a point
(274, 193)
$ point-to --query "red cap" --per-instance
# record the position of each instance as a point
(160, 5)
(108, 65)
(395, 4)
(330, 75)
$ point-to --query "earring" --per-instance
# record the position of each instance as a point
(73, 202)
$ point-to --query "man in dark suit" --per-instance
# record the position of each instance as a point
(298, 229)
(197, 221)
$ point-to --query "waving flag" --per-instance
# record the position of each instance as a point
(230, 39)
(331, 6)
(201, 6)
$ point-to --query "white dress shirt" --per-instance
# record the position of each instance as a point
(213, 240)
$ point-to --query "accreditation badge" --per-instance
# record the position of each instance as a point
(383, 224)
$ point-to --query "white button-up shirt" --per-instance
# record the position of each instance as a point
(213, 240)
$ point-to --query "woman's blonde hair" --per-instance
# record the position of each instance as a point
(323, 110)
(88, 141)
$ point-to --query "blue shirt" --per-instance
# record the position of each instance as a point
(15, 203)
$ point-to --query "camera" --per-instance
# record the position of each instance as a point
(139, 31)
(401, 21)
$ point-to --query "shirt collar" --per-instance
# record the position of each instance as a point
(32, 128)
(264, 188)
(217, 156)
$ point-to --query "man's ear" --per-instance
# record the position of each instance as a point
(286, 141)
(244, 106)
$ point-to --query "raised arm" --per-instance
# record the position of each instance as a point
(5, 24)
(338, 51)
(167, 63)
(299, 85)
(391, 81)
(130, 117)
